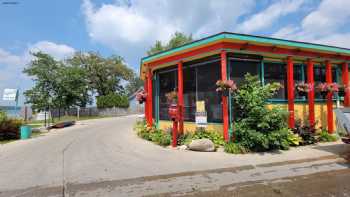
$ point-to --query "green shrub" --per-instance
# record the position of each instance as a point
(184, 139)
(112, 100)
(152, 134)
(258, 128)
(306, 132)
(235, 148)
(9, 128)
(214, 136)
(294, 139)
(324, 136)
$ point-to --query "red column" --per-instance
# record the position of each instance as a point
(290, 91)
(345, 78)
(150, 97)
(180, 96)
(224, 98)
(145, 106)
(311, 94)
(329, 98)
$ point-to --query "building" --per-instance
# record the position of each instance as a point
(194, 68)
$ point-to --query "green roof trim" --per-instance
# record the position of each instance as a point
(248, 38)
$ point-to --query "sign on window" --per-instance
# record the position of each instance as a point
(201, 114)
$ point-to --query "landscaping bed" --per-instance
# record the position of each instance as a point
(256, 128)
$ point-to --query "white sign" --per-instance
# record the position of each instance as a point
(10, 95)
(201, 119)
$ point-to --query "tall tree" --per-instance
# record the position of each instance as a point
(134, 84)
(56, 84)
(104, 75)
(176, 40)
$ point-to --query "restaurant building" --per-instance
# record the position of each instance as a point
(193, 69)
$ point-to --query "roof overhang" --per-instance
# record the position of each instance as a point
(244, 44)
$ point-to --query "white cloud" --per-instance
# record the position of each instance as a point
(133, 27)
(324, 25)
(58, 51)
(12, 65)
(7, 58)
(266, 18)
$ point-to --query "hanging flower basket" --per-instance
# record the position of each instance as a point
(325, 88)
(303, 88)
(141, 96)
(171, 97)
(225, 87)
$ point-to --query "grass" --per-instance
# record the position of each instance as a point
(38, 123)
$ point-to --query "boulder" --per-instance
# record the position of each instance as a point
(203, 145)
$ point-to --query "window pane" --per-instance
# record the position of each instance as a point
(298, 77)
(189, 75)
(276, 72)
(207, 75)
(320, 77)
(240, 68)
(167, 83)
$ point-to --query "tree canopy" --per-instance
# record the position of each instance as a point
(176, 40)
(74, 82)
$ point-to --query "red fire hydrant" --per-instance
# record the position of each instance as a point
(173, 114)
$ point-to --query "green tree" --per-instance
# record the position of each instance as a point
(56, 84)
(176, 40)
(104, 75)
(134, 84)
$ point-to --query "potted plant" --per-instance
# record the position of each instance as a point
(141, 96)
(225, 87)
(325, 88)
(303, 88)
(171, 97)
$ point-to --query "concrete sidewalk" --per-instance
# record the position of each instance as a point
(108, 149)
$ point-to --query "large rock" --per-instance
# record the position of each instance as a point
(204, 145)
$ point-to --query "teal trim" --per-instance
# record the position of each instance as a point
(262, 75)
(248, 38)
(230, 131)
(302, 66)
(282, 101)
(157, 100)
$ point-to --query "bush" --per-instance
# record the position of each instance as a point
(306, 132)
(9, 128)
(324, 136)
(259, 128)
(152, 134)
(235, 148)
(112, 100)
(214, 136)
(294, 139)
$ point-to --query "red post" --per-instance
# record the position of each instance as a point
(290, 91)
(150, 97)
(174, 140)
(180, 97)
(345, 78)
(311, 94)
(329, 98)
(145, 106)
(224, 98)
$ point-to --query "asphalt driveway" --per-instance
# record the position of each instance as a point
(103, 150)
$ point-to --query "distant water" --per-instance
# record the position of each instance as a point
(11, 111)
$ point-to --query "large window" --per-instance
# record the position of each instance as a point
(299, 76)
(276, 72)
(239, 68)
(199, 85)
(167, 83)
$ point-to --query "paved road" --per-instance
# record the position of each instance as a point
(104, 157)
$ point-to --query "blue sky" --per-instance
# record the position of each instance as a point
(129, 27)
